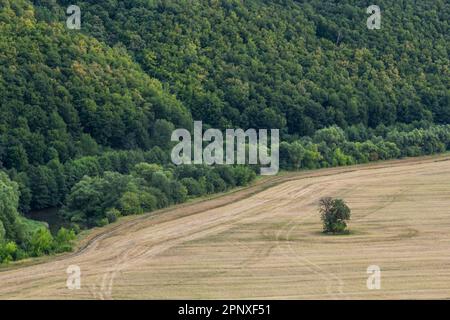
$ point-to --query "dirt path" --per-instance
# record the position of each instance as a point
(265, 242)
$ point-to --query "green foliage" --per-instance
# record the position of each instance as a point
(90, 198)
(2, 232)
(86, 199)
(361, 145)
(8, 252)
(101, 222)
(146, 170)
(41, 243)
(243, 175)
(295, 65)
(20, 237)
(193, 187)
(63, 240)
(9, 202)
(98, 200)
(88, 146)
(130, 203)
(334, 214)
(178, 192)
(147, 201)
(112, 215)
(65, 95)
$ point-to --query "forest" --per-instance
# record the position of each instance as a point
(86, 115)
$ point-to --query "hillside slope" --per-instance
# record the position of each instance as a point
(59, 90)
(295, 65)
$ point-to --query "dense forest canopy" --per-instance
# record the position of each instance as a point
(136, 69)
(86, 115)
(296, 65)
(59, 89)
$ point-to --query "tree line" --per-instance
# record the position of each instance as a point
(334, 146)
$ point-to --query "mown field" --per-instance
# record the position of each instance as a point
(265, 242)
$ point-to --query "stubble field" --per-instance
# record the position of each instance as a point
(265, 241)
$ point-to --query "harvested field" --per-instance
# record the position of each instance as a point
(265, 242)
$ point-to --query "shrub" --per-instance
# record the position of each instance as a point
(148, 201)
(146, 170)
(64, 240)
(243, 175)
(8, 252)
(162, 200)
(75, 227)
(193, 187)
(41, 242)
(112, 215)
(130, 203)
(102, 222)
(178, 192)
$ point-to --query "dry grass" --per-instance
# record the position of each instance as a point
(265, 242)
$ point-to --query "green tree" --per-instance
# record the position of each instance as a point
(334, 214)
(41, 242)
(193, 187)
(178, 192)
(130, 203)
(63, 240)
(9, 202)
(8, 252)
(112, 215)
(85, 202)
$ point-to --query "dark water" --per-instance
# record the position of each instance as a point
(50, 216)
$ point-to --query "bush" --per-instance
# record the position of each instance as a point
(75, 228)
(102, 222)
(148, 201)
(226, 173)
(64, 240)
(193, 187)
(8, 252)
(112, 215)
(41, 243)
(130, 203)
(243, 175)
(334, 214)
(178, 192)
(162, 200)
(146, 170)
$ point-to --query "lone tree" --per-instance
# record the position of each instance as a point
(334, 214)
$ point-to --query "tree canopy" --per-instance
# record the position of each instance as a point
(294, 65)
